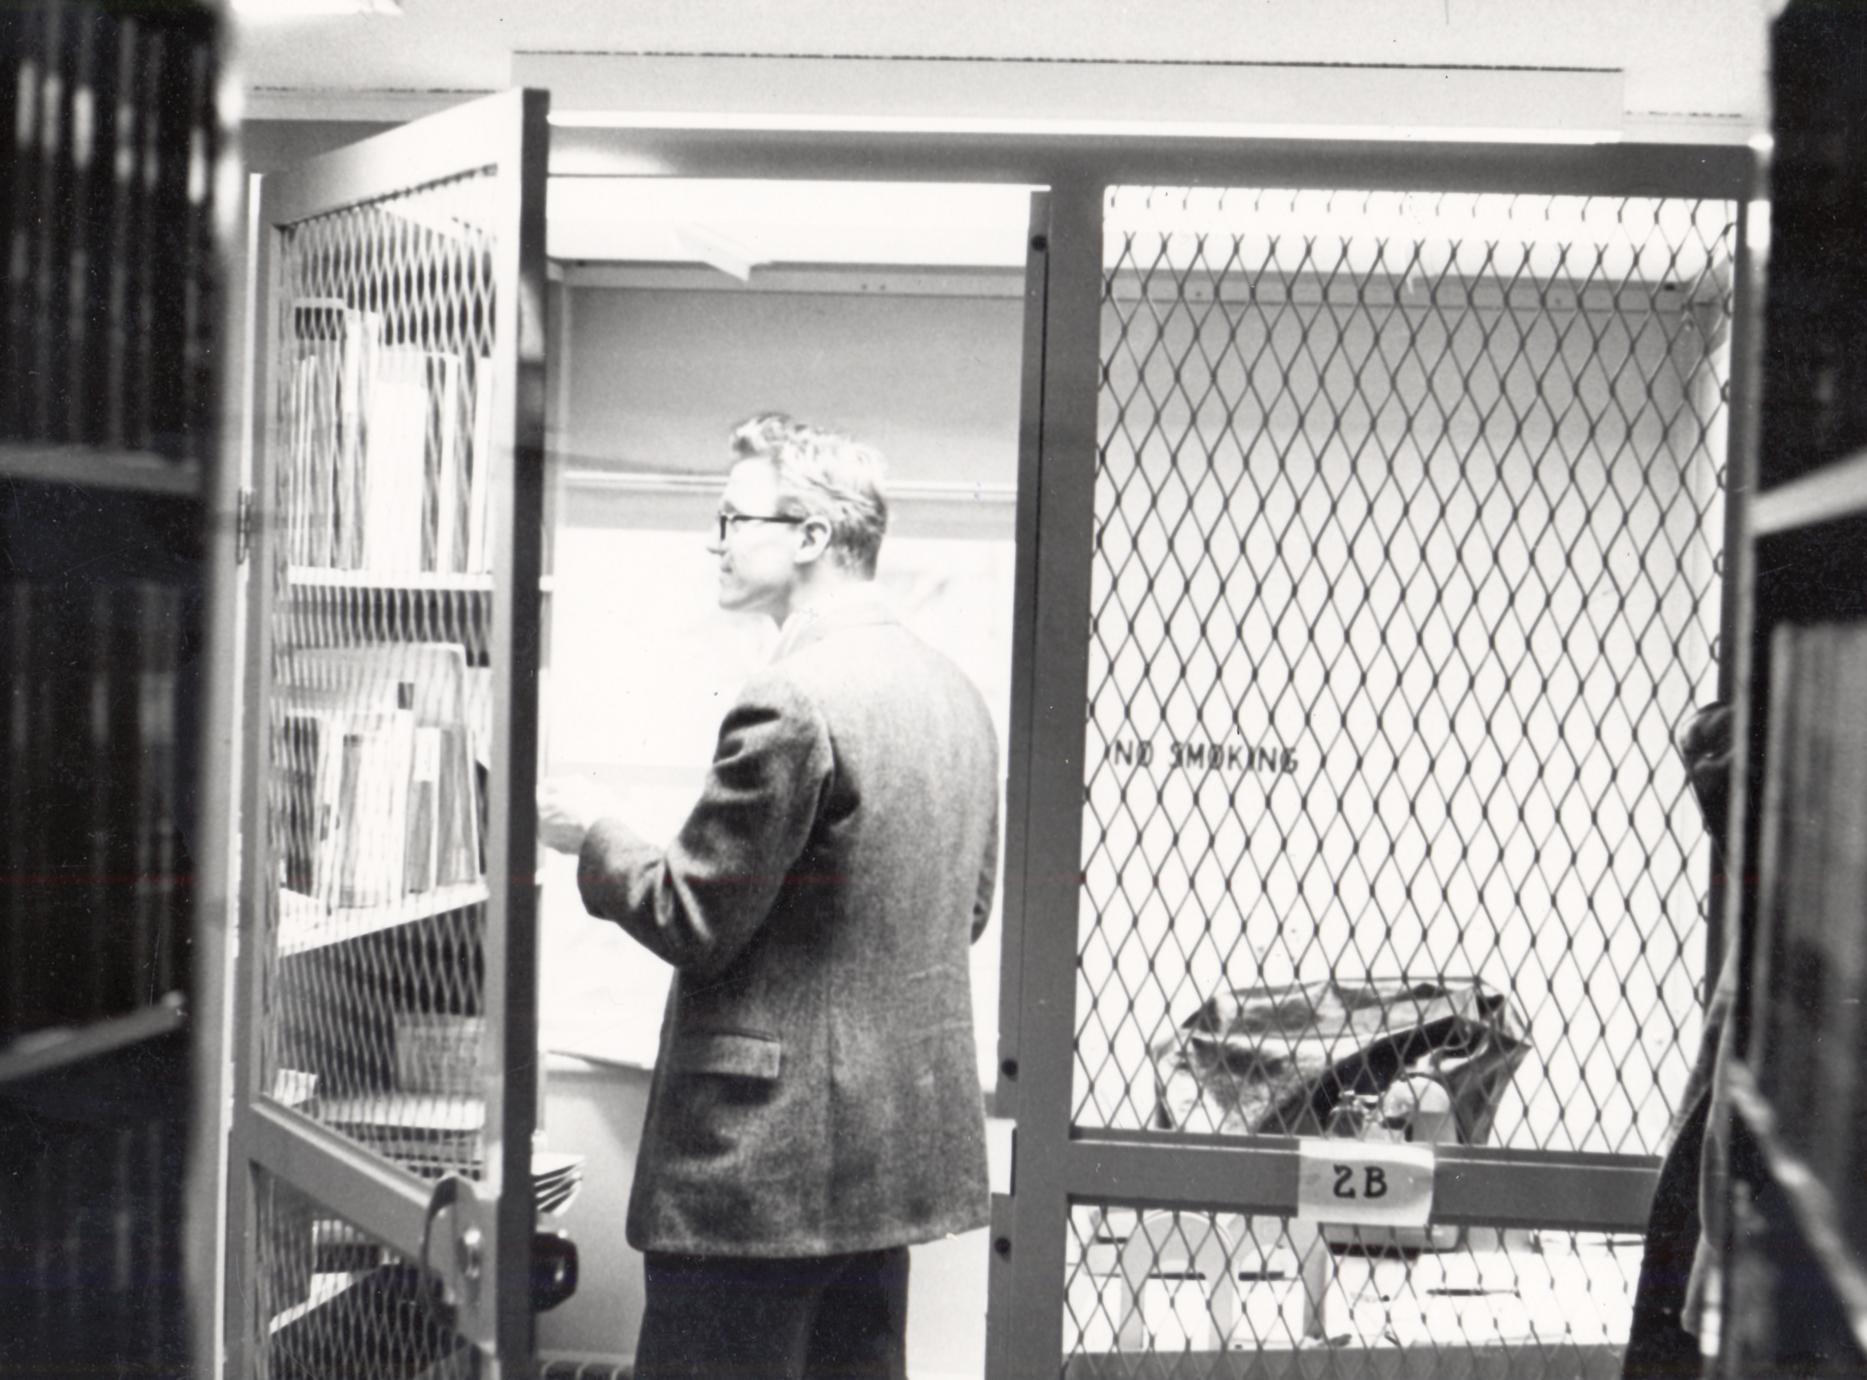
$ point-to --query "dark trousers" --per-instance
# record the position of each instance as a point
(743, 1319)
(1657, 1343)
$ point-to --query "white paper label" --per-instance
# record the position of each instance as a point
(1000, 1140)
(1365, 1183)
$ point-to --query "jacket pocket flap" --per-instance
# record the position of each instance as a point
(729, 1052)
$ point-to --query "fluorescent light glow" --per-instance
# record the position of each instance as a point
(1173, 129)
(741, 224)
(307, 9)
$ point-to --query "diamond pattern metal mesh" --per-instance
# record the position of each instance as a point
(372, 972)
(334, 1302)
(1203, 1295)
(1409, 516)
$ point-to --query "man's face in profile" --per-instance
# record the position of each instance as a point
(757, 566)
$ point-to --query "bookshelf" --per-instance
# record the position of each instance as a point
(111, 332)
(1793, 1272)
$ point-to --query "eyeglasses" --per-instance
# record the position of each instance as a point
(728, 519)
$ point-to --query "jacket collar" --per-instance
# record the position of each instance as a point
(860, 607)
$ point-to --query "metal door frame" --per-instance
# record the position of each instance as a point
(507, 132)
(1057, 1164)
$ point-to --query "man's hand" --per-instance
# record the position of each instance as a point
(567, 807)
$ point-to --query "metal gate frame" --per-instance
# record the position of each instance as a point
(1055, 1164)
(490, 1263)
(1058, 1164)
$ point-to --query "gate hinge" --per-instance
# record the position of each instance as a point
(243, 528)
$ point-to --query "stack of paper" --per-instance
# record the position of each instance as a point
(556, 1177)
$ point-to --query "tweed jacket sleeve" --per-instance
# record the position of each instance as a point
(988, 879)
(699, 902)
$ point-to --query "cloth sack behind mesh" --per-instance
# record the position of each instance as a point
(1275, 1060)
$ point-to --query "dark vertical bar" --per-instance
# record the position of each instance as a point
(18, 31)
(1002, 1302)
(241, 1331)
(512, 930)
(49, 232)
(168, 269)
(200, 299)
(167, 883)
(96, 242)
(1736, 593)
(38, 917)
(210, 759)
(123, 232)
(146, 227)
(28, 211)
(1034, 1250)
(96, 915)
(16, 759)
(89, 59)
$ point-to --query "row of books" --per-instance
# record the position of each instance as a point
(92, 1221)
(378, 754)
(1813, 903)
(107, 222)
(94, 908)
(386, 448)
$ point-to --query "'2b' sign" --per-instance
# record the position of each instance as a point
(1366, 1183)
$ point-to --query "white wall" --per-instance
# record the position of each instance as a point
(642, 662)
(657, 377)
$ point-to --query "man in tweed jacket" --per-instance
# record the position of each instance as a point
(816, 1106)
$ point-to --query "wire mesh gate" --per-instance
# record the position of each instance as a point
(383, 1131)
(1405, 535)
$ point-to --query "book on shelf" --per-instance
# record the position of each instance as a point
(87, 78)
(1812, 902)
(324, 459)
(17, 605)
(446, 437)
(376, 756)
(93, 917)
(437, 1131)
(106, 226)
(424, 786)
(480, 468)
(123, 228)
(19, 118)
(393, 462)
(383, 448)
(196, 322)
(163, 897)
(51, 233)
(376, 786)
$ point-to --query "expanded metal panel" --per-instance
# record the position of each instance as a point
(373, 969)
(334, 1302)
(1220, 1295)
(1409, 512)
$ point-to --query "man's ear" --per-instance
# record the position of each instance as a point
(815, 545)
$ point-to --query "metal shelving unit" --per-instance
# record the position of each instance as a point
(110, 460)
